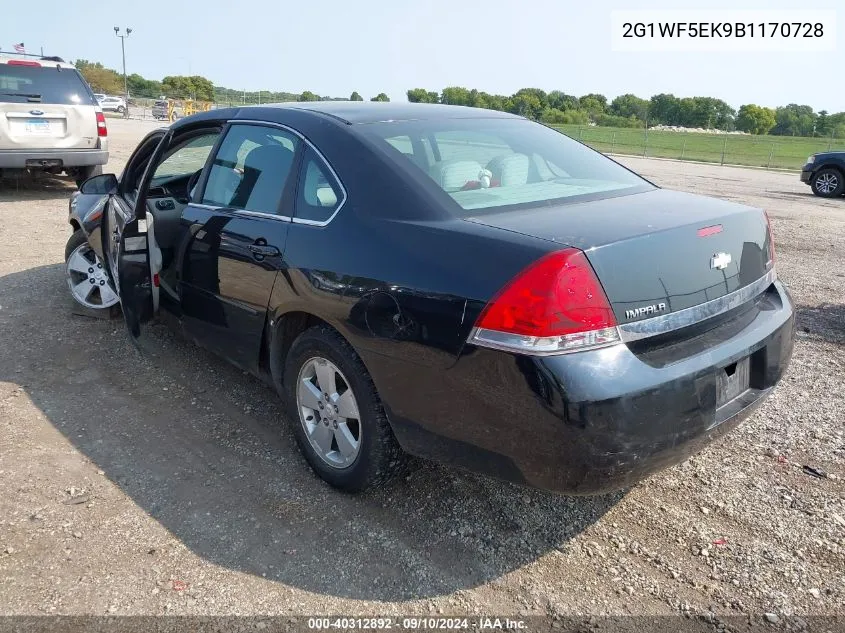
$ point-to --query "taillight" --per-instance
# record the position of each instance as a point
(555, 305)
(771, 239)
(102, 130)
(22, 62)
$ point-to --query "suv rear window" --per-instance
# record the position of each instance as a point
(503, 163)
(51, 84)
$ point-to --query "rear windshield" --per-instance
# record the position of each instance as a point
(496, 163)
(45, 84)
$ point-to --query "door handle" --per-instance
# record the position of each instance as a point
(262, 250)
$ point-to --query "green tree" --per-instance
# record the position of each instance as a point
(356, 97)
(455, 95)
(140, 87)
(528, 102)
(101, 79)
(562, 101)
(193, 87)
(755, 119)
(307, 95)
(421, 95)
(629, 105)
(594, 105)
(380, 97)
(794, 120)
(663, 109)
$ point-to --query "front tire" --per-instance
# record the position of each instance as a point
(89, 283)
(81, 174)
(339, 421)
(828, 182)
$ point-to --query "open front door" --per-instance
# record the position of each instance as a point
(134, 254)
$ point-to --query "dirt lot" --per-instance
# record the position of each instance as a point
(169, 484)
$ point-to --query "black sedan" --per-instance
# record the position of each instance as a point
(825, 173)
(462, 285)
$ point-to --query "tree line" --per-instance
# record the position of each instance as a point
(108, 81)
(554, 108)
(629, 110)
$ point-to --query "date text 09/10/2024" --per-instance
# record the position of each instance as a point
(416, 623)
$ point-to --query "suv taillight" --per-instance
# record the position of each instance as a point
(555, 305)
(102, 130)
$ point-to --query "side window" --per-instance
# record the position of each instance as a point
(318, 193)
(186, 159)
(251, 169)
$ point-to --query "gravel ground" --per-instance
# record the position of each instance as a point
(168, 484)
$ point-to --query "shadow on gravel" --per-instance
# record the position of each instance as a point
(203, 449)
(825, 321)
(37, 187)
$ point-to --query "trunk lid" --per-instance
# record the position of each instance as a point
(656, 252)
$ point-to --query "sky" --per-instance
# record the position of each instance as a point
(332, 47)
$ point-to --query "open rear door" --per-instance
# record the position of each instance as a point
(136, 259)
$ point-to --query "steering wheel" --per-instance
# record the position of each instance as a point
(192, 182)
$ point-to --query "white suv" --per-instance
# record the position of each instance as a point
(49, 118)
(112, 104)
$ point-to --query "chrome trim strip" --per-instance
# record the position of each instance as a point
(319, 155)
(251, 214)
(682, 318)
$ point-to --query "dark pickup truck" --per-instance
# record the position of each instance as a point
(825, 173)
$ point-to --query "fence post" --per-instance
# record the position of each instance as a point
(683, 148)
(771, 153)
(724, 147)
(612, 142)
(645, 144)
(580, 133)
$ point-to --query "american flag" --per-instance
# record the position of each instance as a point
(19, 48)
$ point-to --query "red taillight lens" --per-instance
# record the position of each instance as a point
(22, 62)
(555, 305)
(771, 238)
(102, 130)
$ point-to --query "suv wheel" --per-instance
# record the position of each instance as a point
(121, 109)
(339, 421)
(81, 174)
(828, 182)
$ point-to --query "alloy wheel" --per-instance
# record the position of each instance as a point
(88, 280)
(328, 412)
(827, 182)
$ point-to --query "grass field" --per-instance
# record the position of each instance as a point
(777, 152)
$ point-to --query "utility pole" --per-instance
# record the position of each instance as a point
(127, 33)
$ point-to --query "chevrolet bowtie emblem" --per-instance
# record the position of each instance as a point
(720, 261)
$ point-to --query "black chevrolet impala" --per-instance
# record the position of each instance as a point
(462, 285)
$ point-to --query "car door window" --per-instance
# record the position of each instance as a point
(186, 159)
(251, 169)
(319, 194)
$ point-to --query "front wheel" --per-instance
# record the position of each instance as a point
(81, 174)
(89, 283)
(828, 183)
(339, 421)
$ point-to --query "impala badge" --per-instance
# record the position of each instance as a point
(645, 311)
(720, 261)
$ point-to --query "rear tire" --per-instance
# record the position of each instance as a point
(377, 456)
(828, 182)
(81, 174)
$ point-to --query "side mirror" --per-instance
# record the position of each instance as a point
(104, 184)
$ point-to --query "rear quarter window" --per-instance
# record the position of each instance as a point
(44, 84)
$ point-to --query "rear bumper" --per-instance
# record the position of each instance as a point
(594, 421)
(22, 159)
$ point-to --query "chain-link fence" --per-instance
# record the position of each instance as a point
(771, 152)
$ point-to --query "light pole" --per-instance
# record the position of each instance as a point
(128, 32)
